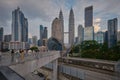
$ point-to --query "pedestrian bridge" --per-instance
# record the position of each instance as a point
(30, 63)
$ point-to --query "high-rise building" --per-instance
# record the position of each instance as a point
(76, 40)
(7, 38)
(112, 32)
(41, 31)
(89, 33)
(99, 37)
(80, 33)
(43, 35)
(106, 37)
(34, 40)
(118, 36)
(19, 26)
(57, 29)
(89, 16)
(30, 40)
(71, 27)
(62, 24)
(1, 34)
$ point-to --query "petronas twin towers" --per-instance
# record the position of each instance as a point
(58, 28)
(71, 27)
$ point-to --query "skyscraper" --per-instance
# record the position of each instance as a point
(34, 40)
(89, 16)
(7, 38)
(89, 33)
(80, 33)
(99, 37)
(57, 30)
(118, 36)
(1, 34)
(106, 37)
(62, 24)
(112, 32)
(71, 27)
(41, 31)
(43, 35)
(19, 26)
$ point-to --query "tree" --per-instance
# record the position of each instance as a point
(90, 49)
(34, 48)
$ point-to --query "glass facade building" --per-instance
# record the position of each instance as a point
(1, 34)
(89, 33)
(118, 36)
(112, 32)
(7, 38)
(54, 44)
(43, 35)
(89, 16)
(34, 40)
(19, 26)
(99, 37)
(80, 33)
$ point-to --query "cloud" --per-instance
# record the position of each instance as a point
(44, 11)
(97, 24)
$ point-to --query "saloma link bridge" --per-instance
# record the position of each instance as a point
(79, 68)
(30, 63)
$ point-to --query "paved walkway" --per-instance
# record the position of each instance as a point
(6, 58)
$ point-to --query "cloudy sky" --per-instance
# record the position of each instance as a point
(44, 11)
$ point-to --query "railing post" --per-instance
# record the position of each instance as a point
(117, 69)
(55, 69)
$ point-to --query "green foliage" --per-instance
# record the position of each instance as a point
(34, 48)
(91, 49)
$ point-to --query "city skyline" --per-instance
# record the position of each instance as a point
(44, 14)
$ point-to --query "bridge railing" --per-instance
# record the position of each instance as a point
(93, 63)
(6, 59)
(72, 71)
(26, 67)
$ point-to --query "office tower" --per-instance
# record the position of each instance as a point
(34, 40)
(71, 27)
(89, 16)
(112, 32)
(76, 40)
(30, 40)
(40, 41)
(25, 31)
(41, 31)
(118, 36)
(1, 34)
(106, 37)
(88, 33)
(7, 38)
(45, 33)
(80, 33)
(44, 41)
(99, 37)
(19, 26)
(57, 29)
(62, 24)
